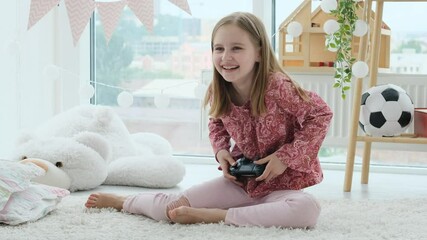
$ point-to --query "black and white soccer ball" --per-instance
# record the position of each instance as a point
(386, 110)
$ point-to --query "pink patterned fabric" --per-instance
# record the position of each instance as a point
(292, 128)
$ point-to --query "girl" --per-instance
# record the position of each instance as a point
(270, 118)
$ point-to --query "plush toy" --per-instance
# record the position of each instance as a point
(76, 163)
(92, 146)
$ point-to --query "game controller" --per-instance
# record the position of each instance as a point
(246, 168)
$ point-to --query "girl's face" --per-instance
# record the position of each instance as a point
(234, 55)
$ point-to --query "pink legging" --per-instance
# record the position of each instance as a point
(286, 208)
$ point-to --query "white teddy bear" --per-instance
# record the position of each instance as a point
(92, 146)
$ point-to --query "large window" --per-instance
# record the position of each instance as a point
(167, 70)
(162, 69)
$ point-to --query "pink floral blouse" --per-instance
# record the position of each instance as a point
(292, 128)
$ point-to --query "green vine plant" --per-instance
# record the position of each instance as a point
(340, 41)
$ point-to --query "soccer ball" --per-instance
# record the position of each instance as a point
(386, 110)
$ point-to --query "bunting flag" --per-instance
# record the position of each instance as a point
(79, 12)
(183, 4)
(38, 9)
(144, 11)
(110, 13)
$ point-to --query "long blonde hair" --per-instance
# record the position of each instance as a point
(219, 92)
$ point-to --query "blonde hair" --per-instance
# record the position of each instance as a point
(220, 91)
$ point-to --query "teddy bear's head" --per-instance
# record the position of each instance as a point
(91, 118)
(83, 158)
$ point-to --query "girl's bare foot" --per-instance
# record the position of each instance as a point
(189, 215)
(105, 200)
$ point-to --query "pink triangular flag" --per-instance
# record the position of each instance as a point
(144, 11)
(38, 9)
(183, 4)
(110, 13)
(79, 12)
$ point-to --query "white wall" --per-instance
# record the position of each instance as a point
(26, 98)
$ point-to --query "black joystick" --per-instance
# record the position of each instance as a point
(246, 168)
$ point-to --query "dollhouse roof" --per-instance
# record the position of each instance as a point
(317, 11)
(291, 17)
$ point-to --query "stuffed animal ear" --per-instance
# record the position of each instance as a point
(103, 115)
(96, 142)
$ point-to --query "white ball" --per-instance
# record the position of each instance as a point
(332, 49)
(125, 99)
(386, 110)
(86, 91)
(294, 29)
(331, 26)
(161, 101)
(328, 5)
(360, 69)
(360, 28)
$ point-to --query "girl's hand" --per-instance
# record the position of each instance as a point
(274, 167)
(226, 160)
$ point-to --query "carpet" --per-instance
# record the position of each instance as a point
(340, 219)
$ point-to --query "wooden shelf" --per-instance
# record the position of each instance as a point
(404, 138)
(309, 69)
(375, 43)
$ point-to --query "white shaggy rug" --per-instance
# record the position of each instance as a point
(340, 219)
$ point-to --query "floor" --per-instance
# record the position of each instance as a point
(381, 185)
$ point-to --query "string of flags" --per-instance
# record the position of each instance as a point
(80, 12)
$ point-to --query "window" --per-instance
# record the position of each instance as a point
(166, 70)
(162, 69)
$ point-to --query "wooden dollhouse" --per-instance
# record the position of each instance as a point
(307, 52)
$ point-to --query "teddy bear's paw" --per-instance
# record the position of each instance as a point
(151, 172)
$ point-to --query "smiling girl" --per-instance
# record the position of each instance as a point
(268, 117)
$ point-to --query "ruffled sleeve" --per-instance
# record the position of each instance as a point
(218, 135)
(311, 123)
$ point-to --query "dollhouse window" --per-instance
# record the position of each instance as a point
(293, 45)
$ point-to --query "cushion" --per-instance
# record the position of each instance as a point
(20, 199)
(15, 177)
